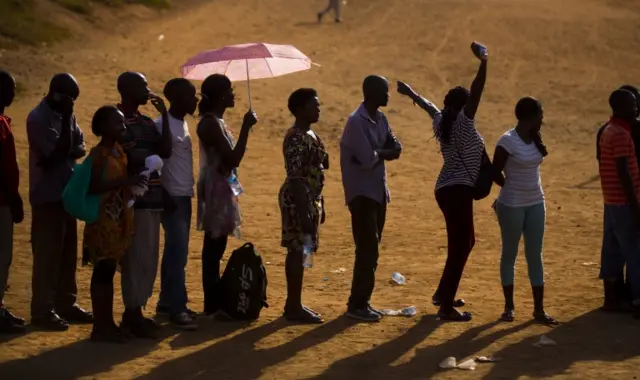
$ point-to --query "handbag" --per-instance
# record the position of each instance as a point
(484, 182)
(76, 198)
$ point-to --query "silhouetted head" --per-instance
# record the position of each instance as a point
(456, 98)
(634, 90)
(108, 122)
(181, 94)
(7, 89)
(305, 105)
(375, 89)
(133, 88)
(529, 113)
(623, 104)
(217, 92)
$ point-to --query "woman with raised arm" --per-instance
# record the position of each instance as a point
(218, 188)
(463, 152)
(520, 205)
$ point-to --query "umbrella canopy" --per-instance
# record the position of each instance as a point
(247, 61)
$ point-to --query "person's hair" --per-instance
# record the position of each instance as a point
(617, 98)
(300, 98)
(212, 90)
(454, 101)
(101, 118)
(632, 89)
(6, 80)
(528, 108)
(175, 87)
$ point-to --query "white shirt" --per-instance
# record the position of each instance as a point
(523, 186)
(177, 172)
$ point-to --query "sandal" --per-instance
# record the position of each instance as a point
(309, 310)
(545, 319)
(304, 316)
(509, 315)
(455, 316)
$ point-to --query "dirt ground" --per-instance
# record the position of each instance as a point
(570, 54)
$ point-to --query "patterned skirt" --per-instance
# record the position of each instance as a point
(218, 210)
(291, 226)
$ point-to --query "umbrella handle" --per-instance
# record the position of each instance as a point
(246, 61)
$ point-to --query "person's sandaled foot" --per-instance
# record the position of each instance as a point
(303, 315)
(454, 316)
(544, 318)
(457, 303)
(310, 310)
(509, 315)
(110, 334)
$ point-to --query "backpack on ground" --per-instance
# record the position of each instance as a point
(244, 284)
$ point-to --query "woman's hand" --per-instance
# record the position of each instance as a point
(405, 89)
(250, 119)
(479, 50)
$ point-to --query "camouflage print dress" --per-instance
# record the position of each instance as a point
(304, 154)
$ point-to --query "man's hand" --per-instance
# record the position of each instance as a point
(65, 106)
(17, 209)
(323, 216)
(158, 103)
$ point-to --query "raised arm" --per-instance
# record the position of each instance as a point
(428, 106)
(477, 86)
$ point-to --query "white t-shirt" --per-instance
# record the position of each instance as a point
(523, 186)
(177, 172)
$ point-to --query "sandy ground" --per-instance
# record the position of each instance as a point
(570, 54)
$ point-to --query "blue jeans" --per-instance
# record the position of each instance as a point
(527, 221)
(173, 288)
(620, 245)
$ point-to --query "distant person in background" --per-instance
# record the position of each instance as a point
(462, 150)
(177, 180)
(11, 206)
(336, 6)
(108, 238)
(140, 265)
(366, 143)
(301, 201)
(55, 143)
(521, 206)
(620, 180)
(218, 208)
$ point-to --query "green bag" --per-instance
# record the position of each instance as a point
(76, 198)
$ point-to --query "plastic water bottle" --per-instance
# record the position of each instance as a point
(409, 311)
(307, 251)
(398, 278)
(234, 184)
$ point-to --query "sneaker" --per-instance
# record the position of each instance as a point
(183, 321)
(364, 314)
(4, 312)
(191, 313)
(375, 310)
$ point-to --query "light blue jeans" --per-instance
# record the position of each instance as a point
(515, 222)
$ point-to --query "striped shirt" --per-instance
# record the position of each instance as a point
(616, 142)
(522, 186)
(462, 154)
(140, 141)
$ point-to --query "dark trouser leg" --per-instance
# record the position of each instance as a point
(212, 252)
(66, 291)
(295, 274)
(456, 203)
(6, 248)
(102, 293)
(367, 223)
(47, 242)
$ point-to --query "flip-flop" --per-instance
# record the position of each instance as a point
(455, 316)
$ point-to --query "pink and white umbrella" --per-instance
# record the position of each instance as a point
(247, 61)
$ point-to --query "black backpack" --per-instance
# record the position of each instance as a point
(244, 284)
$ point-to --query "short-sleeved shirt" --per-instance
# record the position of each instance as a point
(140, 141)
(44, 126)
(523, 186)
(363, 173)
(462, 152)
(616, 142)
(177, 171)
(10, 174)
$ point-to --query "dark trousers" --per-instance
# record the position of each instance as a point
(54, 243)
(212, 252)
(456, 203)
(367, 223)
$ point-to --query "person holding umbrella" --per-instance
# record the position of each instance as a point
(218, 213)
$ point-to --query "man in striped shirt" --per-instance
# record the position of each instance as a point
(620, 180)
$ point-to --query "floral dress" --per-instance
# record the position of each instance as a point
(218, 211)
(303, 156)
(110, 236)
